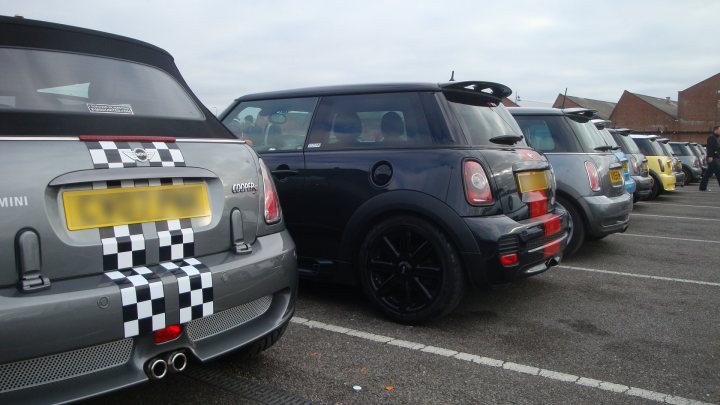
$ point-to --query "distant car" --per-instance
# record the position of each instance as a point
(659, 163)
(690, 162)
(630, 185)
(412, 190)
(590, 181)
(676, 163)
(700, 152)
(138, 233)
(638, 163)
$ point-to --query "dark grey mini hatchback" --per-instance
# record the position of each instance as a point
(137, 233)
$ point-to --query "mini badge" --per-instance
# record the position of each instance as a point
(139, 154)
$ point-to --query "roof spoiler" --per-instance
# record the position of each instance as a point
(600, 123)
(470, 89)
(581, 112)
(623, 131)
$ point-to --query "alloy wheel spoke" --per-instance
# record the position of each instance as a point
(423, 289)
(386, 286)
(382, 266)
(391, 246)
(428, 272)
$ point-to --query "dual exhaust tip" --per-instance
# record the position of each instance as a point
(173, 362)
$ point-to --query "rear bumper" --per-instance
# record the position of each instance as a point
(667, 180)
(679, 178)
(643, 186)
(254, 295)
(606, 215)
(538, 243)
(630, 185)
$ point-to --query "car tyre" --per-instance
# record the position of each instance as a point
(410, 270)
(656, 188)
(576, 227)
(688, 177)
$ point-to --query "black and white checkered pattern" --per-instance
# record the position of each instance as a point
(114, 155)
(195, 287)
(177, 239)
(123, 246)
(143, 300)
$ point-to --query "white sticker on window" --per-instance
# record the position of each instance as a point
(110, 108)
(314, 145)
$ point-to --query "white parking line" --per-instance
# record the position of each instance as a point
(670, 216)
(678, 205)
(667, 237)
(506, 365)
(619, 273)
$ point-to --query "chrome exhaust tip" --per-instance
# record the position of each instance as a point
(176, 362)
(156, 368)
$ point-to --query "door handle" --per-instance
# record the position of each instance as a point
(282, 173)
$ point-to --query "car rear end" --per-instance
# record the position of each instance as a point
(638, 164)
(676, 163)
(624, 160)
(690, 162)
(659, 163)
(138, 233)
(506, 191)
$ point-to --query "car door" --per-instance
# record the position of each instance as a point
(277, 130)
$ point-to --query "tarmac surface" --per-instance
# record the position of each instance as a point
(632, 318)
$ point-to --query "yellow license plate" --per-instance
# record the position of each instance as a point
(625, 165)
(615, 176)
(532, 181)
(120, 206)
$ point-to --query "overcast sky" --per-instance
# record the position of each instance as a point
(596, 49)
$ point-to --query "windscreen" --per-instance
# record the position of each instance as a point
(68, 83)
(481, 123)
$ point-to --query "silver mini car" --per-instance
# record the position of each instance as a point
(137, 233)
(590, 183)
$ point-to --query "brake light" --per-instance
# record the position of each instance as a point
(166, 334)
(593, 176)
(477, 187)
(273, 211)
(695, 162)
(126, 138)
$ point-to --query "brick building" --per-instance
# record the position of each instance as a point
(604, 108)
(646, 114)
(699, 108)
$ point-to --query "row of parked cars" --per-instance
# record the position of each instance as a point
(140, 233)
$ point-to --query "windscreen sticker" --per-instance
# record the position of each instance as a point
(314, 145)
(124, 109)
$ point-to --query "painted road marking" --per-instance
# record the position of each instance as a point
(619, 273)
(506, 365)
(667, 237)
(669, 216)
(679, 205)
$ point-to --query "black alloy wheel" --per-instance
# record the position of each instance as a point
(576, 227)
(410, 270)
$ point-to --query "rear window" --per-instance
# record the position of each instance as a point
(480, 123)
(681, 149)
(626, 143)
(59, 82)
(608, 138)
(547, 133)
(666, 148)
(587, 133)
(649, 147)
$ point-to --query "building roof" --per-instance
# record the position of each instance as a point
(669, 107)
(604, 108)
(709, 79)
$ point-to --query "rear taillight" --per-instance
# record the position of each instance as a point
(593, 176)
(273, 212)
(644, 167)
(477, 187)
(634, 165)
(695, 162)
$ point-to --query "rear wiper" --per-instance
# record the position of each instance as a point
(506, 139)
(604, 148)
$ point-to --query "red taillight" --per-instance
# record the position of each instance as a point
(273, 212)
(167, 334)
(477, 187)
(509, 259)
(593, 176)
(634, 165)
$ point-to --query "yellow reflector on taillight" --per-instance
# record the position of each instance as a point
(532, 181)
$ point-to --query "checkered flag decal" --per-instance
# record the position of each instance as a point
(114, 155)
(143, 300)
(177, 239)
(123, 246)
(194, 286)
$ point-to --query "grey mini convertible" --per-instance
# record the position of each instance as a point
(137, 233)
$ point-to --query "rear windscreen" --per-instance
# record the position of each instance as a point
(68, 83)
(626, 143)
(649, 147)
(481, 123)
(587, 133)
(681, 149)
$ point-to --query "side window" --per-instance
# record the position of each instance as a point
(545, 134)
(370, 121)
(272, 125)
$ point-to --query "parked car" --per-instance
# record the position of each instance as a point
(590, 182)
(138, 233)
(638, 163)
(659, 163)
(699, 152)
(408, 189)
(676, 164)
(630, 185)
(690, 162)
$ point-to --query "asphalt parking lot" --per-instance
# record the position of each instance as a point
(632, 318)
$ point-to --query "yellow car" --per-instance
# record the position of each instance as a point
(661, 165)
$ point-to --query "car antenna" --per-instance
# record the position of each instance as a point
(452, 76)
(564, 97)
